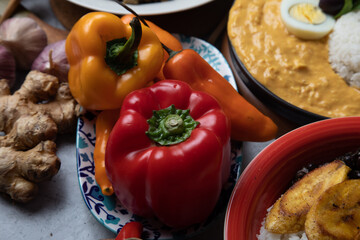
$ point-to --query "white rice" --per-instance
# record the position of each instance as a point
(344, 48)
(266, 235)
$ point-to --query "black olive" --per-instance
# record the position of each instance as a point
(351, 159)
(348, 160)
(299, 174)
(302, 172)
(311, 166)
(357, 159)
(331, 7)
(354, 174)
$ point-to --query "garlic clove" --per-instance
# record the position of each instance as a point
(24, 38)
(7, 65)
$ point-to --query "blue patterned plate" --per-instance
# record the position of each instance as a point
(107, 210)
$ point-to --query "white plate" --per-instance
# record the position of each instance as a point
(144, 9)
(107, 210)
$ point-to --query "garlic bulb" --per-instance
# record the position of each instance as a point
(7, 65)
(24, 38)
(53, 60)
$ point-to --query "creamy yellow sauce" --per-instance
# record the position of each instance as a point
(296, 70)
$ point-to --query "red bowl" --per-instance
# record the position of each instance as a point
(269, 174)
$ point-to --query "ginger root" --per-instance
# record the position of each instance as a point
(41, 93)
(21, 170)
(30, 120)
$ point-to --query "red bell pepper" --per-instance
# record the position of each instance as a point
(168, 154)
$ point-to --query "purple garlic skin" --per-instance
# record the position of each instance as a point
(7, 65)
(53, 60)
(24, 38)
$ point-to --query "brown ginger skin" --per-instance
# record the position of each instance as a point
(21, 170)
(38, 88)
(30, 120)
(28, 131)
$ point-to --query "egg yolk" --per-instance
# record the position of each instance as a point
(307, 13)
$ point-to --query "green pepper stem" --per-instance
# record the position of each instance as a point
(167, 49)
(122, 53)
(173, 124)
(126, 51)
(170, 126)
(132, 11)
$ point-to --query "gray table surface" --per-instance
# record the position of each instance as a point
(59, 211)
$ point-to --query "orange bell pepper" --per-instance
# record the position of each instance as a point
(105, 121)
(108, 59)
(247, 122)
(165, 37)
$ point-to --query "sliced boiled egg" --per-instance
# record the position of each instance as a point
(305, 19)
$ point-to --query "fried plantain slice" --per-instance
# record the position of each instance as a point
(312, 229)
(278, 222)
(289, 214)
(336, 214)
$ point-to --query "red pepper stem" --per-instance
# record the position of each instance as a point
(174, 124)
(170, 126)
